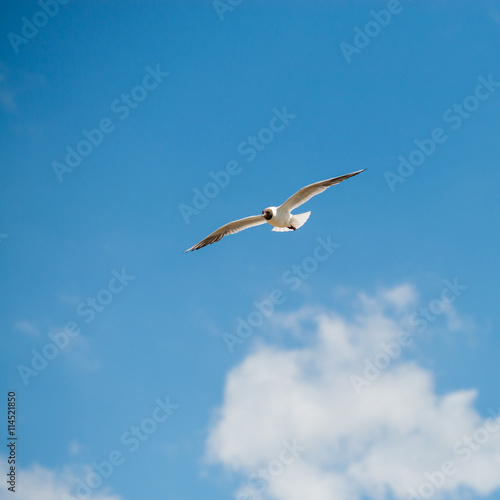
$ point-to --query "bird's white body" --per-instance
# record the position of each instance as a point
(281, 218)
(284, 220)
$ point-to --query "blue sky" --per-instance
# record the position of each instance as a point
(171, 92)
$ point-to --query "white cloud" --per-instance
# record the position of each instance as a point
(75, 447)
(14, 82)
(26, 326)
(43, 484)
(378, 444)
(400, 296)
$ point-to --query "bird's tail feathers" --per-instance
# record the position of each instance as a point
(300, 219)
(281, 229)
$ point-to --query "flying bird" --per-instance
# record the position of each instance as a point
(281, 218)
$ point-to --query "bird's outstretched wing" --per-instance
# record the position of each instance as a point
(306, 193)
(231, 228)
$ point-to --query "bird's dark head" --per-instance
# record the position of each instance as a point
(267, 213)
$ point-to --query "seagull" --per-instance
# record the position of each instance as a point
(281, 218)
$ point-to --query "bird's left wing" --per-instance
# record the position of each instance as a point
(231, 228)
(306, 193)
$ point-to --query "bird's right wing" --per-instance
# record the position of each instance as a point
(306, 193)
(231, 228)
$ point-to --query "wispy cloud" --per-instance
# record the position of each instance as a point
(14, 83)
(7, 101)
(44, 484)
(27, 327)
(75, 447)
(385, 442)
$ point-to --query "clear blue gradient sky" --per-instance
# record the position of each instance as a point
(157, 331)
